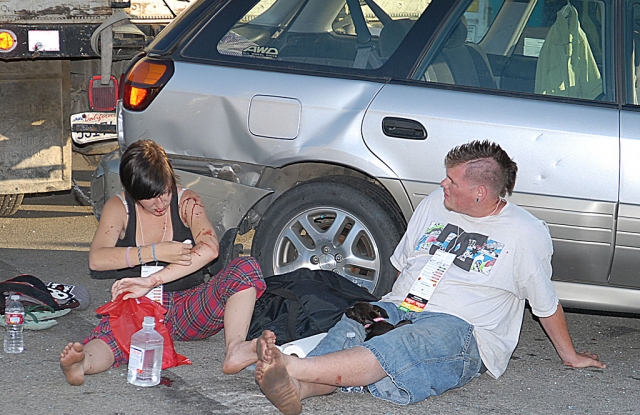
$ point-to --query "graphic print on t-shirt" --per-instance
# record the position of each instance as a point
(473, 251)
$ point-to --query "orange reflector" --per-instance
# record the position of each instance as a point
(7, 40)
(137, 96)
(144, 81)
(146, 73)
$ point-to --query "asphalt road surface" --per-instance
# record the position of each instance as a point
(49, 237)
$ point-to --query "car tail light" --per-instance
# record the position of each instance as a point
(144, 81)
(103, 97)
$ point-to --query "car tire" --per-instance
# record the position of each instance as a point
(9, 204)
(343, 224)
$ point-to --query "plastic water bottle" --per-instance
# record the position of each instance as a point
(350, 341)
(14, 321)
(145, 355)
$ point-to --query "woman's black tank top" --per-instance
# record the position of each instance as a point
(180, 234)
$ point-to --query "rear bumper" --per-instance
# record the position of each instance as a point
(105, 181)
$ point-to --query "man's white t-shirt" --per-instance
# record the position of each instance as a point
(501, 261)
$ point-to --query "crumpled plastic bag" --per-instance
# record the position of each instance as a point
(126, 317)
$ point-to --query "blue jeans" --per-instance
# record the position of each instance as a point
(435, 353)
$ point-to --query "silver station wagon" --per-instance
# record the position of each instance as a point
(321, 124)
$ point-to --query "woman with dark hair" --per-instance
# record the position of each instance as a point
(159, 230)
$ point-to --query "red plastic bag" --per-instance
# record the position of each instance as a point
(126, 316)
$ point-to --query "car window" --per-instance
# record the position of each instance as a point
(339, 33)
(549, 47)
(632, 52)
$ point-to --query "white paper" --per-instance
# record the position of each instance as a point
(156, 293)
(532, 46)
(302, 347)
(44, 40)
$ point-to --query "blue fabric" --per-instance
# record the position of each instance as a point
(435, 353)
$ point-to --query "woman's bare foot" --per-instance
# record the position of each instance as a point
(272, 376)
(239, 356)
(267, 339)
(72, 363)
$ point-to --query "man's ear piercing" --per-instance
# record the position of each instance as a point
(477, 199)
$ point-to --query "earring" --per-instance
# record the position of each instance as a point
(477, 199)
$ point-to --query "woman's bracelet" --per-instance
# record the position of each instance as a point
(153, 250)
(140, 256)
(126, 256)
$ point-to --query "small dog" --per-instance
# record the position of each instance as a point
(373, 318)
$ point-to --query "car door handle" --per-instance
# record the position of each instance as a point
(403, 128)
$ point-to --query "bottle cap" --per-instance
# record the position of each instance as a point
(351, 335)
(149, 321)
(15, 297)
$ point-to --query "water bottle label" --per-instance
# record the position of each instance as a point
(14, 318)
(136, 359)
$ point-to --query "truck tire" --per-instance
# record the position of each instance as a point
(9, 204)
(342, 224)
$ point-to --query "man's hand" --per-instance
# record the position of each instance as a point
(556, 328)
(585, 359)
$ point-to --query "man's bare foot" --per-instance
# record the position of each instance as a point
(239, 355)
(72, 363)
(273, 378)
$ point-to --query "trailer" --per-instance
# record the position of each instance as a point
(60, 67)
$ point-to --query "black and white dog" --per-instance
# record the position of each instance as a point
(373, 318)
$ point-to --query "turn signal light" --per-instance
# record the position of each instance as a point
(8, 40)
(144, 81)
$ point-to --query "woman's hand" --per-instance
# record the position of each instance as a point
(174, 252)
(134, 287)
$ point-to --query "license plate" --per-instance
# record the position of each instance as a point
(89, 120)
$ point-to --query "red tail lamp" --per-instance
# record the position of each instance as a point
(103, 97)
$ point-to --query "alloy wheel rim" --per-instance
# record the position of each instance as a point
(332, 239)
